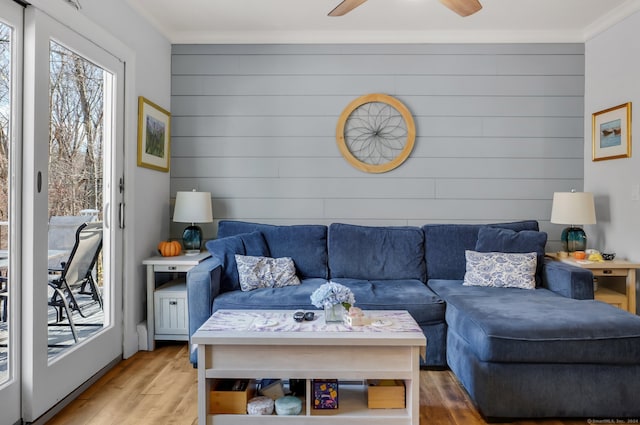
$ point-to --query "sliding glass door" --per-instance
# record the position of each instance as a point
(73, 195)
(10, 122)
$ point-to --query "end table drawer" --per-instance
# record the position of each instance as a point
(160, 268)
(171, 310)
(610, 272)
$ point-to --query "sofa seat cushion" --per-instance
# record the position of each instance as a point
(513, 325)
(305, 244)
(363, 252)
(446, 288)
(411, 295)
(403, 294)
(296, 297)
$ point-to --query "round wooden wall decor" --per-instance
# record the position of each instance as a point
(376, 133)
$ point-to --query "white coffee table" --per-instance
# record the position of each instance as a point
(254, 344)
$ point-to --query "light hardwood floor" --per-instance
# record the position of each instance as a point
(160, 388)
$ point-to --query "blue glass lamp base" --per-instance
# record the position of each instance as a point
(573, 239)
(192, 240)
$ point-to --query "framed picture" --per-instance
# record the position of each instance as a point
(153, 135)
(611, 133)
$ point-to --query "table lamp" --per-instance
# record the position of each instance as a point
(192, 207)
(573, 208)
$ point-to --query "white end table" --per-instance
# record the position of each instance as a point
(179, 264)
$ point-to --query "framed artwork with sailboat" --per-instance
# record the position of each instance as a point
(611, 133)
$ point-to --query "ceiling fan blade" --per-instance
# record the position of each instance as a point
(345, 7)
(463, 7)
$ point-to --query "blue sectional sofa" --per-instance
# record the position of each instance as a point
(551, 351)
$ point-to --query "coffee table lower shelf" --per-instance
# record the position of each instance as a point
(352, 408)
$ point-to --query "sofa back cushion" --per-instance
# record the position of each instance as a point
(306, 245)
(225, 250)
(376, 253)
(492, 239)
(445, 246)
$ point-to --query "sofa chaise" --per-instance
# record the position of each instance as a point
(546, 351)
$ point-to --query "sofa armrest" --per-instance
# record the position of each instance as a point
(203, 285)
(567, 280)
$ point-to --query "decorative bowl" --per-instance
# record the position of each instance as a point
(608, 256)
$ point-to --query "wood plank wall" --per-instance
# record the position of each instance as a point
(499, 129)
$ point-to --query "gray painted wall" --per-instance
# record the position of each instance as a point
(612, 182)
(499, 129)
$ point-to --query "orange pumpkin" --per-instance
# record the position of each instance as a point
(169, 248)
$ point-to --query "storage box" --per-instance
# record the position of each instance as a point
(325, 393)
(231, 395)
(171, 310)
(385, 394)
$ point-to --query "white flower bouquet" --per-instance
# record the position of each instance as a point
(330, 294)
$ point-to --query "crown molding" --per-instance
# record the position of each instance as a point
(374, 37)
(151, 20)
(610, 19)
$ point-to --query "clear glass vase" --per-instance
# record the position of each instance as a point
(334, 314)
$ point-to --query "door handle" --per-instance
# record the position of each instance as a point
(121, 215)
(107, 208)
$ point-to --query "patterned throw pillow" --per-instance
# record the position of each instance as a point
(265, 272)
(492, 239)
(500, 269)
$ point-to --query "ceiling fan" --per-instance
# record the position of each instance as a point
(461, 7)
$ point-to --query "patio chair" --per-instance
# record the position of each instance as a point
(61, 237)
(4, 285)
(4, 295)
(76, 274)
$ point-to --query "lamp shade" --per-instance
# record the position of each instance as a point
(193, 207)
(573, 208)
